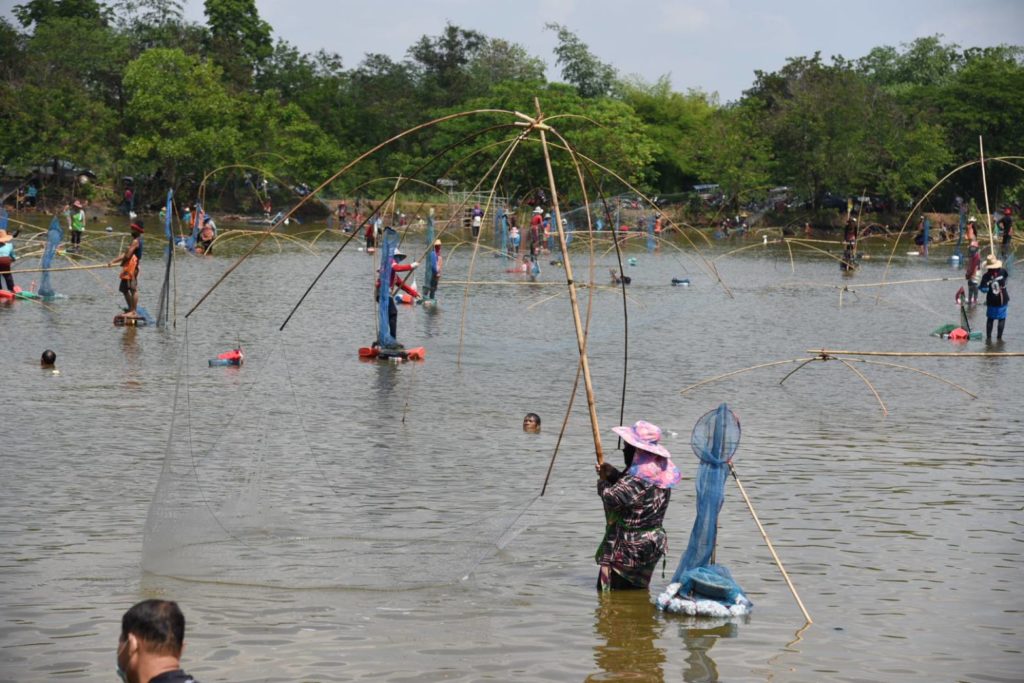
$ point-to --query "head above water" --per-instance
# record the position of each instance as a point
(531, 423)
(151, 640)
(48, 359)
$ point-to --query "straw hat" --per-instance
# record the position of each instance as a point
(992, 262)
(5, 236)
(537, 209)
(437, 243)
(645, 436)
(77, 204)
(398, 255)
(972, 219)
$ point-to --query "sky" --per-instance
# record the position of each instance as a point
(711, 45)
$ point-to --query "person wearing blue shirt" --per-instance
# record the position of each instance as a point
(7, 258)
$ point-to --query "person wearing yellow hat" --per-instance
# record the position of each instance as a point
(993, 283)
(433, 270)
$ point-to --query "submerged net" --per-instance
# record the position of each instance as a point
(699, 586)
(54, 236)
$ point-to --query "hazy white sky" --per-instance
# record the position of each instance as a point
(713, 45)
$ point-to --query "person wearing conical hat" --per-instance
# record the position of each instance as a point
(993, 283)
(7, 258)
(635, 502)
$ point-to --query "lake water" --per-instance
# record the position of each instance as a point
(340, 520)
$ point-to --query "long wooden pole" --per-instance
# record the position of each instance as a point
(581, 340)
(984, 186)
(925, 354)
(768, 541)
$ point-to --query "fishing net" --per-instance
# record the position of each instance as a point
(388, 244)
(54, 236)
(272, 481)
(163, 312)
(4, 219)
(699, 586)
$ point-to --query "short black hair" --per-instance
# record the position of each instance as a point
(535, 416)
(157, 622)
(49, 357)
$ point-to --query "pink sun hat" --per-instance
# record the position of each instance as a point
(644, 436)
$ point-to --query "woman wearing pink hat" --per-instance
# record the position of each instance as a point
(635, 502)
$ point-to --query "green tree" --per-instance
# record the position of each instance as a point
(676, 123)
(40, 11)
(731, 152)
(240, 41)
(606, 130)
(591, 76)
(442, 61)
(499, 61)
(180, 118)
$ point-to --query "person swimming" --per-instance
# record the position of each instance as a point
(531, 423)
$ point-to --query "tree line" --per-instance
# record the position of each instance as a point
(132, 88)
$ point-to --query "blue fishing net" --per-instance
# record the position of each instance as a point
(699, 586)
(388, 244)
(714, 440)
(197, 221)
(651, 244)
(430, 228)
(54, 236)
(501, 233)
(3, 218)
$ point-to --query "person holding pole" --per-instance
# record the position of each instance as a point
(635, 502)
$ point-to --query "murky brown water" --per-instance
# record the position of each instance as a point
(902, 533)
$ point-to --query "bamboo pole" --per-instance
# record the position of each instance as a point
(922, 354)
(58, 270)
(581, 340)
(768, 541)
(984, 186)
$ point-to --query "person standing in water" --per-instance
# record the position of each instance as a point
(635, 502)
(993, 283)
(7, 259)
(77, 226)
(434, 261)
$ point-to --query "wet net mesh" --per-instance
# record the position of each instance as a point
(54, 236)
(307, 468)
(698, 578)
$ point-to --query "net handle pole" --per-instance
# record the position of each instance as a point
(984, 185)
(771, 548)
(581, 340)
